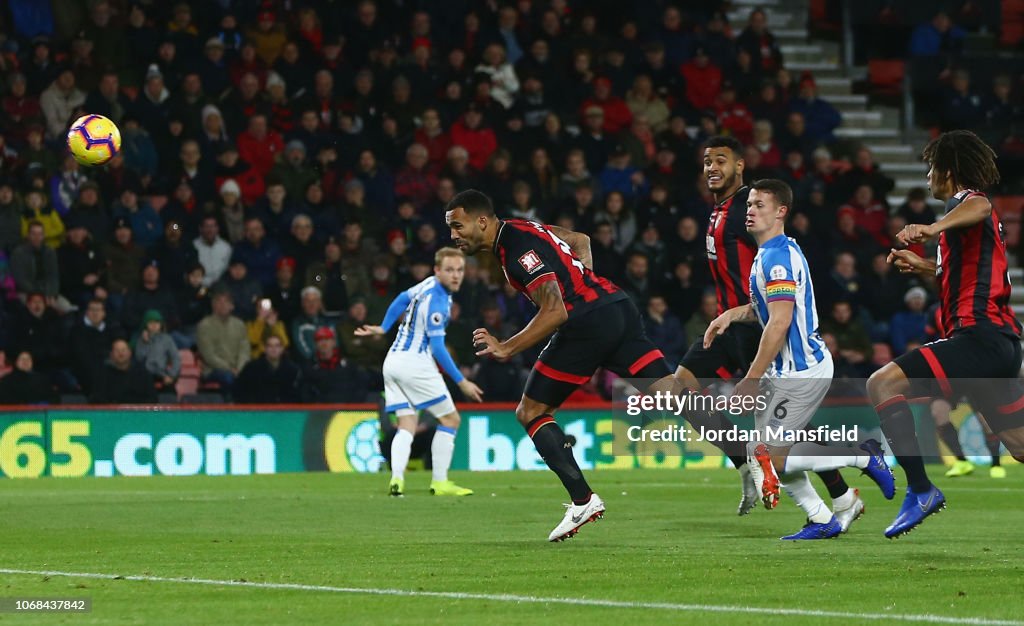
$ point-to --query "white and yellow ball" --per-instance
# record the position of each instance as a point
(93, 140)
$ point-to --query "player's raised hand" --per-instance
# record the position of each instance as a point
(915, 233)
(716, 328)
(471, 390)
(488, 344)
(368, 330)
(905, 261)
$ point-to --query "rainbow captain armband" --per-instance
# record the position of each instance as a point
(779, 290)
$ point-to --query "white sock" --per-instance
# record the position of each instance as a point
(441, 448)
(401, 448)
(810, 457)
(799, 487)
(844, 501)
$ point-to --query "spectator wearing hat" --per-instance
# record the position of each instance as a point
(301, 244)
(284, 293)
(213, 252)
(146, 224)
(268, 36)
(124, 262)
(330, 378)
(223, 342)
(152, 106)
(595, 144)
(150, 295)
(230, 166)
(212, 135)
(909, 325)
(155, 350)
(58, 101)
(616, 114)
(24, 385)
(213, 68)
(294, 171)
(81, 264)
(270, 378)
(282, 114)
(820, 117)
(619, 175)
(305, 325)
(703, 80)
(123, 380)
(245, 290)
(231, 211)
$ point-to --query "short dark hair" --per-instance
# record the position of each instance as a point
(783, 194)
(473, 202)
(964, 157)
(725, 141)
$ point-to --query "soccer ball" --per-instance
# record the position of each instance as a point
(362, 447)
(94, 140)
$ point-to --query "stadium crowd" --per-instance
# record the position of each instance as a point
(285, 165)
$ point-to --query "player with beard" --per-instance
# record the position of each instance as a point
(731, 250)
(592, 324)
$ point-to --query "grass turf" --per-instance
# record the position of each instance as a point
(669, 536)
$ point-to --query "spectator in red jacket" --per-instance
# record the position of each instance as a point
(703, 80)
(734, 116)
(871, 214)
(431, 135)
(478, 140)
(258, 145)
(617, 116)
(771, 156)
(417, 179)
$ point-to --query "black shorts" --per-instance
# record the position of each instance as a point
(612, 336)
(978, 363)
(730, 352)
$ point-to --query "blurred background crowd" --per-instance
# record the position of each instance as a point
(285, 165)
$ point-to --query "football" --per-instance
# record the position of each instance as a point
(93, 140)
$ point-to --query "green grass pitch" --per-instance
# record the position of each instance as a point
(670, 537)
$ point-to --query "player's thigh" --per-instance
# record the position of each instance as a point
(636, 356)
(395, 398)
(791, 404)
(421, 385)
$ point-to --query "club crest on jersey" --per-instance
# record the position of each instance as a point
(531, 262)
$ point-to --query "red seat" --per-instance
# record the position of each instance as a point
(886, 76)
(1009, 210)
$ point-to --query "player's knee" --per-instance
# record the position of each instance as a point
(523, 414)
(885, 383)
(451, 420)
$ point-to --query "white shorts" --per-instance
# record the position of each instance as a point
(792, 401)
(414, 384)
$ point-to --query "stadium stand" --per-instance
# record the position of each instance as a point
(343, 128)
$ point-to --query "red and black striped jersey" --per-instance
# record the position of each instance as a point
(973, 274)
(531, 255)
(731, 250)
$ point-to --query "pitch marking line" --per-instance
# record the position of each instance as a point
(615, 604)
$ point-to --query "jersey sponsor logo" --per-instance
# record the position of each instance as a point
(777, 273)
(531, 262)
(436, 318)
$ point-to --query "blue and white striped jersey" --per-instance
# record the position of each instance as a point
(780, 273)
(426, 316)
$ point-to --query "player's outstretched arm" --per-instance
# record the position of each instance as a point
(395, 310)
(549, 317)
(909, 263)
(967, 213)
(579, 242)
(369, 330)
